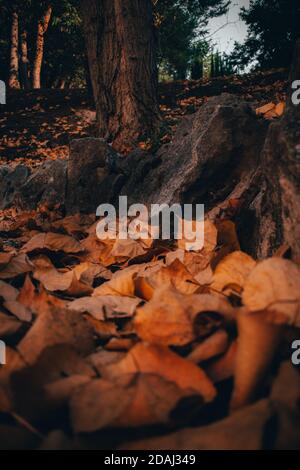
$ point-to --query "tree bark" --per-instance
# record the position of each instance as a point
(120, 43)
(13, 81)
(24, 62)
(43, 25)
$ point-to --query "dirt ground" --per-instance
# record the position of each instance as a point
(40, 124)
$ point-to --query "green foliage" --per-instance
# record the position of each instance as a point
(273, 29)
(181, 25)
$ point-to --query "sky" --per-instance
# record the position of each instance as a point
(226, 29)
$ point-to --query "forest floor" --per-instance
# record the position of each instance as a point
(39, 125)
(134, 344)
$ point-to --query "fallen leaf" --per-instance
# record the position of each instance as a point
(279, 109)
(159, 360)
(56, 326)
(212, 346)
(18, 310)
(242, 431)
(19, 264)
(8, 325)
(274, 286)
(210, 237)
(106, 307)
(175, 275)
(264, 109)
(5, 258)
(53, 242)
(170, 318)
(66, 282)
(127, 249)
(8, 292)
(223, 368)
(132, 400)
(232, 272)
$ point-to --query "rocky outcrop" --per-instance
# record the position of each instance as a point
(210, 154)
(278, 211)
(27, 189)
(90, 176)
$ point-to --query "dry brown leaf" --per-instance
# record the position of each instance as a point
(173, 276)
(242, 431)
(165, 319)
(14, 363)
(210, 236)
(266, 108)
(8, 325)
(122, 283)
(66, 282)
(212, 346)
(257, 344)
(271, 114)
(119, 344)
(18, 310)
(169, 317)
(159, 360)
(37, 300)
(102, 329)
(5, 258)
(19, 264)
(132, 400)
(56, 326)
(8, 292)
(53, 242)
(98, 251)
(127, 249)
(232, 272)
(280, 107)
(195, 263)
(223, 368)
(274, 286)
(227, 235)
(88, 272)
(74, 224)
(106, 307)
(104, 358)
(59, 392)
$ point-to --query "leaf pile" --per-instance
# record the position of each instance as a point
(135, 336)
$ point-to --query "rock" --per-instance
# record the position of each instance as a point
(26, 190)
(46, 185)
(11, 180)
(208, 157)
(278, 211)
(90, 163)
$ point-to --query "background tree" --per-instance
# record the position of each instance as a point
(13, 81)
(121, 51)
(273, 27)
(42, 27)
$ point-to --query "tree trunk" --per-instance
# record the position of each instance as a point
(43, 24)
(24, 62)
(121, 51)
(13, 81)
